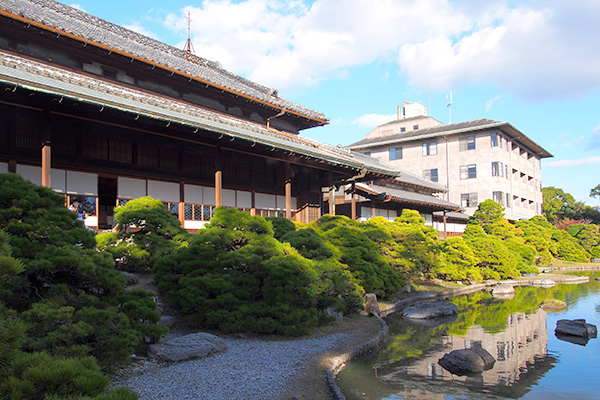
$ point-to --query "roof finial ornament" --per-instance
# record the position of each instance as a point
(190, 54)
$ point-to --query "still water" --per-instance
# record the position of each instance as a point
(531, 362)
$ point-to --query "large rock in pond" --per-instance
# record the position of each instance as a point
(467, 361)
(195, 345)
(576, 327)
(435, 309)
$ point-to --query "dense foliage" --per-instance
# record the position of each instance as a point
(560, 206)
(61, 301)
(145, 231)
(235, 276)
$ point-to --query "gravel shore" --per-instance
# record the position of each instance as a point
(249, 369)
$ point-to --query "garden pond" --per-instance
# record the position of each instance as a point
(531, 362)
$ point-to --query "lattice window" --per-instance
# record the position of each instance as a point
(28, 135)
(121, 151)
(147, 155)
(95, 147)
(169, 158)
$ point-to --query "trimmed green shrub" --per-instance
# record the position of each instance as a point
(309, 244)
(363, 259)
(587, 235)
(495, 260)
(69, 294)
(146, 232)
(281, 226)
(460, 261)
(408, 244)
(487, 213)
(235, 276)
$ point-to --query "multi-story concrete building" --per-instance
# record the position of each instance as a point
(476, 160)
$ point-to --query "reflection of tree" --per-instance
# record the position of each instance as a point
(409, 340)
(517, 337)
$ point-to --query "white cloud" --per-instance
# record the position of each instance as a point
(535, 49)
(78, 6)
(490, 102)
(571, 163)
(286, 43)
(373, 120)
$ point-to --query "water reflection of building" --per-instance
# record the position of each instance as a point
(520, 350)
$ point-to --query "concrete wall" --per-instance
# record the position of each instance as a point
(523, 185)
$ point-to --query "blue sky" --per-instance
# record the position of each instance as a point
(533, 63)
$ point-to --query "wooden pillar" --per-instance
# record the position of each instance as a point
(445, 228)
(288, 191)
(331, 194)
(46, 153)
(353, 201)
(181, 206)
(253, 207)
(218, 179)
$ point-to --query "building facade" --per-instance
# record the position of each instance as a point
(102, 115)
(476, 160)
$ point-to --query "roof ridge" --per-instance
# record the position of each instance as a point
(86, 26)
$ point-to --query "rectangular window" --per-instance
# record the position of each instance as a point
(468, 171)
(415, 127)
(429, 149)
(496, 139)
(467, 143)
(497, 168)
(506, 174)
(468, 200)
(403, 129)
(508, 200)
(366, 153)
(395, 153)
(431, 174)
(498, 197)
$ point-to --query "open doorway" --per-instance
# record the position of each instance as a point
(107, 200)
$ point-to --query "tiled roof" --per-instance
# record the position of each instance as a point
(407, 177)
(453, 215)
(86, 27)
(36, 76)
(453, 129)
(407, 196)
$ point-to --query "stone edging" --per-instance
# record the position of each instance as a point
(336, 364)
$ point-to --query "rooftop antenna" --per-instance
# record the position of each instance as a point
(450, 107)
(190, 54)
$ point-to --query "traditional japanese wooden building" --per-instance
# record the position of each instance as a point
(388, 197)
(103, 115)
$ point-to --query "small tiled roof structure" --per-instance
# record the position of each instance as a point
(407, 178)
(406, 196)
(88, 29)
(453, 129)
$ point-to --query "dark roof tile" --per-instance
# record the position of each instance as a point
(68, 19)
